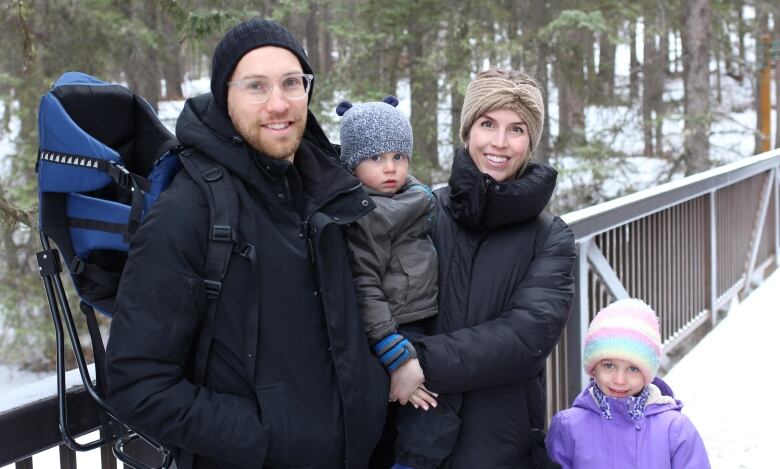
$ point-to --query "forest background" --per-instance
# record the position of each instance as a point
(423, 50)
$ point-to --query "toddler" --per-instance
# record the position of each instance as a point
(393, 259)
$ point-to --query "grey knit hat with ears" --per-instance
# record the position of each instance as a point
(373, 128)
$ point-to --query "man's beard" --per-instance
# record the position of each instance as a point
(274, 148)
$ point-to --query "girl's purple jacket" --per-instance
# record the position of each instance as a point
(664, 438)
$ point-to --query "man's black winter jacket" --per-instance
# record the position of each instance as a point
(291, 381)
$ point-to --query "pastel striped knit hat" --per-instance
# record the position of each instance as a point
(626, 330)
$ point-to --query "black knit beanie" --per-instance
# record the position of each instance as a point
(243, 38)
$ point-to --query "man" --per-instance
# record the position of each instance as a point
(290, 380)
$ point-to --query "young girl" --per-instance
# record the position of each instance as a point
(625, 419)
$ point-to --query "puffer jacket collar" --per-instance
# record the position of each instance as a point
(204, 127)
(479, 202)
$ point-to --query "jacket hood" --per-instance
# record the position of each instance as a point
(204, 127)
(661, 399)
(480, 202)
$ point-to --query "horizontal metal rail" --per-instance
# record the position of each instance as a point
(29, 418)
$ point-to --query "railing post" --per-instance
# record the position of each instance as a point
(577, 326)
(712, 285)
(107, 459)
(777, 203)
(25, 463)
(67, 458)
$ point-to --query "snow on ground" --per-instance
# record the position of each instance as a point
(11, 376)
(728, 381)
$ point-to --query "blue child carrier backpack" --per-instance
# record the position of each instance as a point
(104, 159)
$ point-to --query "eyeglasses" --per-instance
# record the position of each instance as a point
(258, 90)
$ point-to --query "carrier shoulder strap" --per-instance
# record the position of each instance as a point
(218, 187)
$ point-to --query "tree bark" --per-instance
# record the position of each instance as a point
(326, 40)
(777, 81)
(648, 77)
(143, 69)
(606, 76)
(542, 152)
(633, 73)
(313, 45)
(424, 97)
(762, 27)
(171, 60)
(661, 73)
(457, 73)
(696, 56)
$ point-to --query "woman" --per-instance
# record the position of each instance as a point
(505, 289)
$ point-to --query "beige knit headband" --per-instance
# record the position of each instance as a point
(488, 94)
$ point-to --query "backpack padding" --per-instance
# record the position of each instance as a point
(59, 133)
(96, 224)
(115, 116)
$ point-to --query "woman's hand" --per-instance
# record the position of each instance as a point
(405, 380)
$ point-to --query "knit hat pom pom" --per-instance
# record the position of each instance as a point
(391, 100)
(343, 107)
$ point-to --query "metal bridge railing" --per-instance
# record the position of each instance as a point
(687, 248)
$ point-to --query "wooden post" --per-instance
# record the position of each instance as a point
(764, 100)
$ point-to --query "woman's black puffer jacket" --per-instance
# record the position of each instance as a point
(505, 292)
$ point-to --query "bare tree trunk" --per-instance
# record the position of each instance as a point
(530, 24)
(718, 61)
(653, 73)
(633, 73)
(542, 152)
(777, 80)
(171, 59)
(662, 72)
(326, 40)
(741, 30)
(571, 110)
(457, 33)
(516, 56)
(589, 58)
(313, 45)
(696, 56)
(144, 71)
(606, 77)
(648, 85)
(762, 27)
(424, 97)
